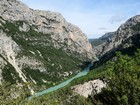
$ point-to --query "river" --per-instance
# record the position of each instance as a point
(82, 73)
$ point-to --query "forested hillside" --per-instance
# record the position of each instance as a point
(122, 75)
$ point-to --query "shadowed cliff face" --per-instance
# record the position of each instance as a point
(39, 46)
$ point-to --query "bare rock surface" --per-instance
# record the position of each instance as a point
(89, 88)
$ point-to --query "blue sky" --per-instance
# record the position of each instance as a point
(94, 17)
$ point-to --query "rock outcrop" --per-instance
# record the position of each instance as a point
(89, 88)
(39, 46)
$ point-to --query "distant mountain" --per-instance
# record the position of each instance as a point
(95, 42)
(102, 39)
(107, 36)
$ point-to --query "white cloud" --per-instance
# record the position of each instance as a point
(102, 28)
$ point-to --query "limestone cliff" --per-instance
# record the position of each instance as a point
(39, 46)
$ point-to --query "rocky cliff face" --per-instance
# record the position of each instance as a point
(126, 38)
(39, 46)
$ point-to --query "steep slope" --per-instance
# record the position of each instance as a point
(126, 40)
(39, 46)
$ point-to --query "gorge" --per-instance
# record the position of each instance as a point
(45, 60)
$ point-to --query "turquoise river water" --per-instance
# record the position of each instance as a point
(82, 73)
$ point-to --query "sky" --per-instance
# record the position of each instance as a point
(93, 17)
